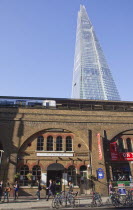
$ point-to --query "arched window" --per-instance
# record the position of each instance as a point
(121, 145)
(40, 142)
(36, 172)
(23, 178)
(59, 143)
(129, 145)
(50, 143)
(72, 175)
(68, 143)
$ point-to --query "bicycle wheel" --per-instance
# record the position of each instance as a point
(53, 203)
(93, 204)
(71, 200)
(99, 203)
(56, 203)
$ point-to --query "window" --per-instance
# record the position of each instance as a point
(23, 178)
(36, 172)
(68, 143)
(121, 174)
(83, 172)
(129, 145)
(59, 143)
(40, 142)
(72, 175)
(121, 145)
(50, 143)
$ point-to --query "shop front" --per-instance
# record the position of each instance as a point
(121, 152)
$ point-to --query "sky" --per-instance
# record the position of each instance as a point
(37, 44)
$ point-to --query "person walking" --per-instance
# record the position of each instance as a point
(38, 189)
(16, 189)
(1, 190)
(110, 188)
(50, 189)
(7, 189)
(70, 187)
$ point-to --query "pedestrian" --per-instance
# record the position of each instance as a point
(110, 188)
(1, 190)
(7, 189)
(16, 189)
(50, 189)
(39, 188)
(70, 187)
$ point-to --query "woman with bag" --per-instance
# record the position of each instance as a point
(7, 189)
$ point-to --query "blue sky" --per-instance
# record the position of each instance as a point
(37, 43)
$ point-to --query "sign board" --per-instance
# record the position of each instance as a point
(99, 146)
(114, 151)
(122, 191)
(54, 154)
(119, 156)
(44, 178)
(121, 185)
(131, 185)
(100, 173)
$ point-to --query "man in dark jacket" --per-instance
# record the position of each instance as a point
(50, 189)
(38, 189)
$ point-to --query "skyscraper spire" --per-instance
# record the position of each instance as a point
(92, 78)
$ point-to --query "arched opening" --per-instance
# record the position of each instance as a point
(121, 157)
(55, 172)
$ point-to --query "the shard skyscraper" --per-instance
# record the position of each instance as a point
(92, 78)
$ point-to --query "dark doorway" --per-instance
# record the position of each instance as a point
(55, 172)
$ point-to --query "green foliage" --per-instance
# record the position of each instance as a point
(29, 176)
(17, 176)
(91, 176)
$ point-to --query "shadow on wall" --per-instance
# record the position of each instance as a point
(11, 131)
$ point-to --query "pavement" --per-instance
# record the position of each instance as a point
(30, 202)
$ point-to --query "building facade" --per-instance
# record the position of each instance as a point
(86, 142)
(92, 78)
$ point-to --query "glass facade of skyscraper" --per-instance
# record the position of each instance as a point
(92, 78)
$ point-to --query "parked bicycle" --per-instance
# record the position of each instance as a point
(118, 200)
(64, 199)
(96, 200)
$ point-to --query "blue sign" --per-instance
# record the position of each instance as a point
(122, 191)
(100, 173)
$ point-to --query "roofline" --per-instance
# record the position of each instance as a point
(69, 100)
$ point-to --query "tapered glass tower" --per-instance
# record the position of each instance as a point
(92, 78)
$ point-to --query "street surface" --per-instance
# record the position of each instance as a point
(26, 203)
